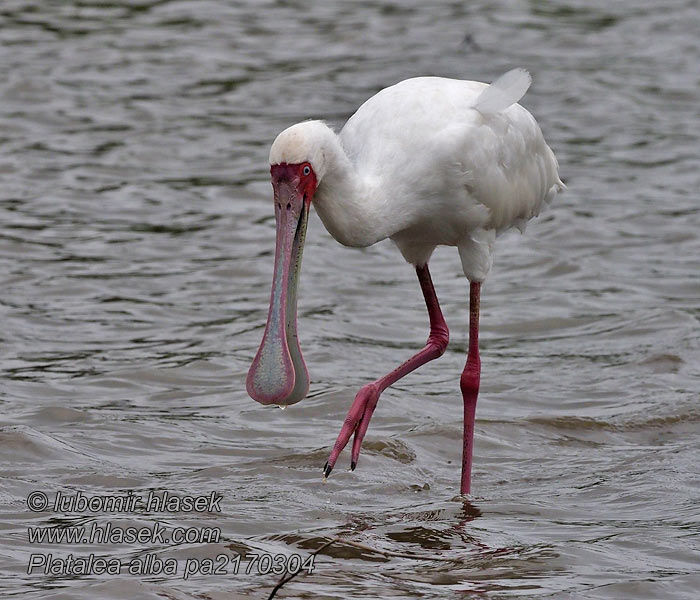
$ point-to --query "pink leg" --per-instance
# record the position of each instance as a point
(469, 383)
(366, 399)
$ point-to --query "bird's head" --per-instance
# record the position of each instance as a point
(278, 374)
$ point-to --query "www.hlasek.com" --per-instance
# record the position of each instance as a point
(109, 533)
(153, 534)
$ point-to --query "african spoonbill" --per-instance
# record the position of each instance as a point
(426, 162)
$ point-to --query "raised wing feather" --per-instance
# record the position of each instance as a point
(503, 92)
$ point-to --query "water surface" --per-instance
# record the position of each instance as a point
(136, 248)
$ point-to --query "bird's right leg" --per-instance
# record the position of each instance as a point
(469, 384)
(365, 402)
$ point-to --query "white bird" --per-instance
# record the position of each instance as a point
(426, 162)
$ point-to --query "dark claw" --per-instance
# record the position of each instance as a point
(353, 465)
(327, 470)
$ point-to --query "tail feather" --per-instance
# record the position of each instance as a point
(503, 92)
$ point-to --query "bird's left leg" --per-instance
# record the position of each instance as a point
(365, 402)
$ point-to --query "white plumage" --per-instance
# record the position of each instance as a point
(427, 162)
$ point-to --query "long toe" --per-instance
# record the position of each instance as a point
(357, 419)
(349, 426)
(362, 429)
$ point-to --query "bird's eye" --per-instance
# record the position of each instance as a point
(307, 170)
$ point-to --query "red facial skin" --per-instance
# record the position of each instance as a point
(294, 175)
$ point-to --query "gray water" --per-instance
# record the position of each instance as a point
(136, 247)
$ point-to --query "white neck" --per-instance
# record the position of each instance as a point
(347, 202)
